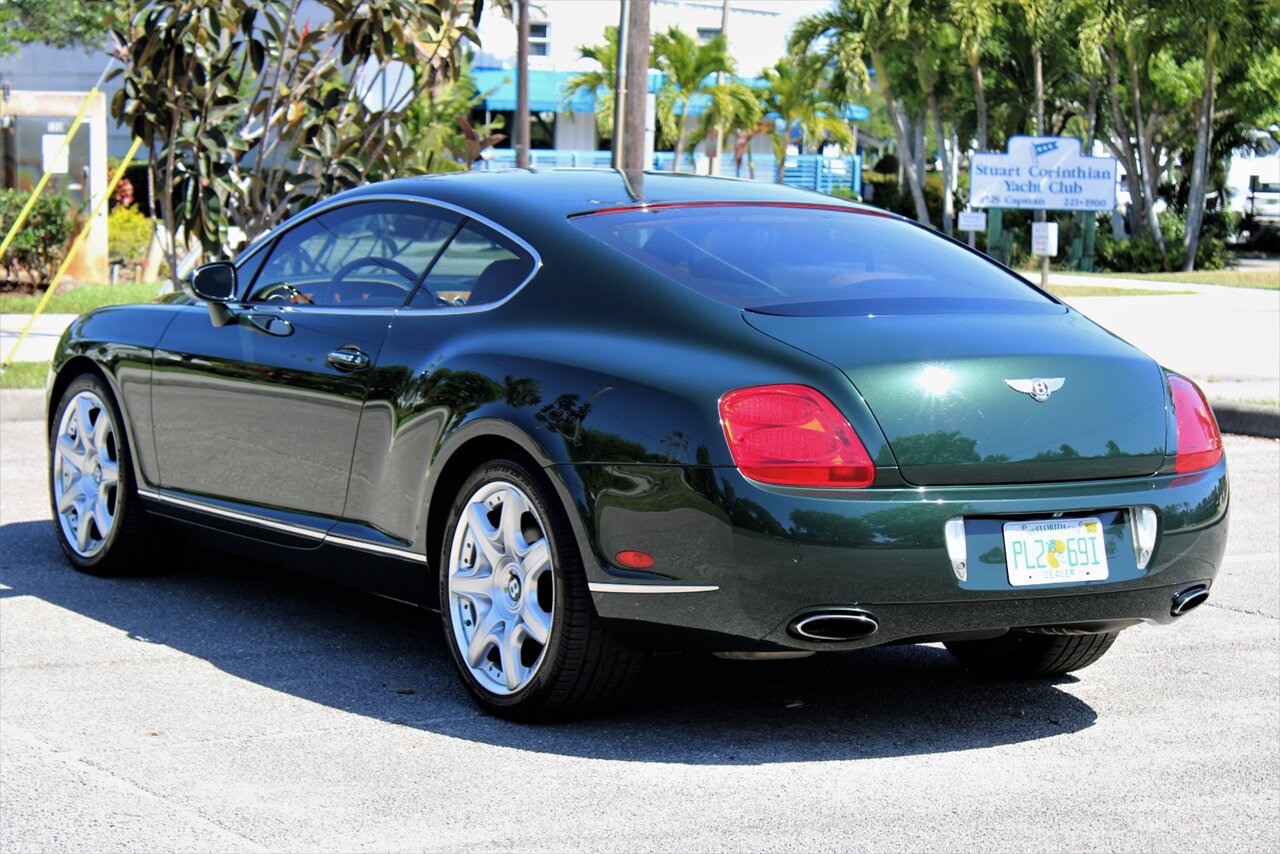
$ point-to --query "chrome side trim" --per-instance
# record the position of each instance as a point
(297, 530)
(249, 519)
(605, 587)
(376, 548)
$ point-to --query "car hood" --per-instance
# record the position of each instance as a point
(953, 393)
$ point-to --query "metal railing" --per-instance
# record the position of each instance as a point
(807, 171)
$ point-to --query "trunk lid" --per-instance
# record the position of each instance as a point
(940, 386)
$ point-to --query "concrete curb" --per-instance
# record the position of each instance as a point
(22, 404)
(1247, 419)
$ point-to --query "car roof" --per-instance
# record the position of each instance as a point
(499, 194)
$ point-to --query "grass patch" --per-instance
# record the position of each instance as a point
(1108, 291)
(81, 298)
(24, 375)
(1264, 279)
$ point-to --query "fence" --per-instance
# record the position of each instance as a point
(807, 171)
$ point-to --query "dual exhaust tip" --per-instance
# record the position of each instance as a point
(1189, 600)
(835, 626)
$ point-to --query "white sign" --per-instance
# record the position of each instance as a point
(973, 220)
(54, 158)
(1044, 238)
(1043, 173)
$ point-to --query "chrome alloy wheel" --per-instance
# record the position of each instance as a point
(86, 474)
(501, 587)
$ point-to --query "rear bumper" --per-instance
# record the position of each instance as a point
(759, 557)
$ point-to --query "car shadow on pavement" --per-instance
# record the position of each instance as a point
(387, 661)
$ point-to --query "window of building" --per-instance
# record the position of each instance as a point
(539, 41)
(706, 34)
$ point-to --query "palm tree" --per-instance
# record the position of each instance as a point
(688, 67)
(860, 31)
(734, 107)
(797, 93)
(975, 19)
(600, 83)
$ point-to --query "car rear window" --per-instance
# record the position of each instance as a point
(812, 260)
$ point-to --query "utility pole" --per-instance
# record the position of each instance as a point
(637, 84)
(620, 87)
(718, 154)
(521, 130)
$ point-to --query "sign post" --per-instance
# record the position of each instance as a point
(1047, 173)
(972, 221)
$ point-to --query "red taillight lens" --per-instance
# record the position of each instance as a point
(1199, 442)
(793, 436)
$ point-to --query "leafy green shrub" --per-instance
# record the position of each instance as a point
(41, 243)
(1142, 255)
(128, 235)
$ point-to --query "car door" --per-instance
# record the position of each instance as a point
(263, 410)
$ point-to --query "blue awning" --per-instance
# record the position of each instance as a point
(547, 92)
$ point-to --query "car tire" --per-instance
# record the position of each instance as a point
(1024, 655)
(517, 614)
(97, 515)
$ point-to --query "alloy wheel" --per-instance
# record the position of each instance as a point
(86, 474)
(501, 587)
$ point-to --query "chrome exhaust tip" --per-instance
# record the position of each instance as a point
(1189, 600)
(835, 626)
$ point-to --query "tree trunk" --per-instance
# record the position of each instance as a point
(1144, 158)
(904, 146)
(1200, 163)
(1091, 120)
(948, 221)
(637, 105)
(780, 154)
(522, 86)
(1038, 58)
(1120, 145)
(676, 165)
(980, 95)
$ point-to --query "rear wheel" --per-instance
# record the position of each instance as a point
(518, 617)
(96, 512)
(1028, 655)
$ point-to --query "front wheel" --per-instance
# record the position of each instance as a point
(1023, 655)
(518, 617)
(96, 512)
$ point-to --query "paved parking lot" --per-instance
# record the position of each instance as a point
(223, 706)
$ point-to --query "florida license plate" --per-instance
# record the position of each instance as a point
(1054, 551)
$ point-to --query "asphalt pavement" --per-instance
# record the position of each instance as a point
(223, 705)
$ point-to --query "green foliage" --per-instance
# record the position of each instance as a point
(61, 23)
(41, 243)
(250, 113)
(687, 66)
(798, 91)
(77, 299)
(128, 235)
(599, 82)
(1142, 255)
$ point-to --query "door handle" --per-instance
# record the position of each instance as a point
(349, 359)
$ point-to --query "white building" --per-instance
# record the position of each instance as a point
(757, 34)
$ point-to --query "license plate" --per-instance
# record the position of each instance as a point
(1054, 551)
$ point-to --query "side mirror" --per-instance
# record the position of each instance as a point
(216, 284)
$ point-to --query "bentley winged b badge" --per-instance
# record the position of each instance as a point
(1038, 388)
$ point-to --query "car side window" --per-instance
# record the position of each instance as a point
(363, 255)
(478, 267)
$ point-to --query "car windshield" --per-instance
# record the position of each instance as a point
(812, 260)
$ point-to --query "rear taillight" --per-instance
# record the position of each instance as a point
(1199, 442)
(793, 436)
